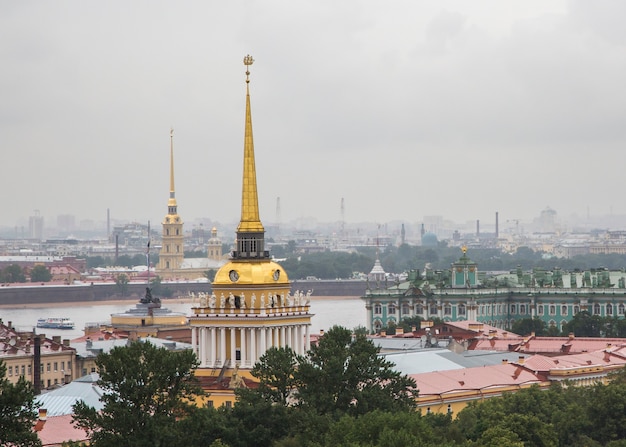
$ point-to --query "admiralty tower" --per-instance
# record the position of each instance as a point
(251, 307)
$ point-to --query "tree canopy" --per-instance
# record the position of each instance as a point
(18, 412)
(147, 391)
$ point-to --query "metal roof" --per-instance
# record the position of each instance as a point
(60, 401)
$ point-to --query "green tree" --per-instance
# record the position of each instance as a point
(148, 391)
(210, 274)
(40, 273)
(157, 287)
(18, 412)
(121, 282)
(13, 273)
(526, 326)
(343, 373)
(275, 371)
(583, 324)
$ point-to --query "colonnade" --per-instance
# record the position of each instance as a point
(218, 346)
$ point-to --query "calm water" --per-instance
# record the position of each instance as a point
(328, 311)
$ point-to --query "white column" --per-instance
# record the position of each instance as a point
(299, 340)
(253, 350)
(202, 345)
(307, 337)
(242, 345)
(233, 348)
(282, 337)
(289, 338)
(223, 345)
(263, 342)
(194, 339)
(213, 345)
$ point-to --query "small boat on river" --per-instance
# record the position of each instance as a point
(55, 323)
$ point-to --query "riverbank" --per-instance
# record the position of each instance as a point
(132, 300)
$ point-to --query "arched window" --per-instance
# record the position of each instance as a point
(576, 310)
(391, 309)
(447, 309)
(419, 309)
(609, 309)
(406, 309)
(540, 309)
(513, 309)
(461, 309)
(596, 309)
(522, 309)
(378, 309)
(552, 310)
(620, 309)
(377, 325)
(433, 309)
(564, 310)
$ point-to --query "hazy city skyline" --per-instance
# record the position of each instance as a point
(403, 109)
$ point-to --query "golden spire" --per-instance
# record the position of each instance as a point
(172, 200)
(250, 221)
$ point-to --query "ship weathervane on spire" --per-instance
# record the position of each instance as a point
(247, 60)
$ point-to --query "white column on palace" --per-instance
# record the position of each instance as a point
(194, 340)
(202, 345)
(233, 347)
(223, 345)
(253, 348)
(213, 344)
(307, 338)
(263, 342)
(242, 345)
(299, 339)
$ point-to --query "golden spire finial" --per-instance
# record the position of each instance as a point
(247, 60)
(172, 201)
(250, 220)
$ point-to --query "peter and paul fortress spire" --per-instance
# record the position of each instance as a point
(251, 307)
(171, 255)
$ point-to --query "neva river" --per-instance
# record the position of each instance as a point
(328, 311)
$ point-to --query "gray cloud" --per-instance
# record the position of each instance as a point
(404, 109)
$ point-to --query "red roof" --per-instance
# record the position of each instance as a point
(55, 430)
(469, 379)
(547, 345)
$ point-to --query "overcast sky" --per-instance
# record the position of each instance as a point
(404, 109)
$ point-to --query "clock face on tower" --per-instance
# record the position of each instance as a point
(276, 275)
(233, 275)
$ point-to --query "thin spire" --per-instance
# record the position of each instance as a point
(172, 193)
(250, 220)
(172, 207)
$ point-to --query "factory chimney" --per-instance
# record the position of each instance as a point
(497, 232)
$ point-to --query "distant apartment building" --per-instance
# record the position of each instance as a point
(35, 226)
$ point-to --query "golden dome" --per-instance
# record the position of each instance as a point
(243, 273)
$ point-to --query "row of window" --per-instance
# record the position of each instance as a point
(419, 309)
(27, 369)
(499, 309)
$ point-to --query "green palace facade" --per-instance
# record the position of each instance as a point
(462, 293)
